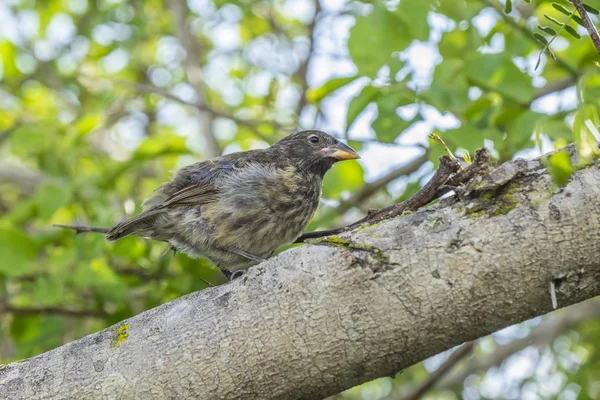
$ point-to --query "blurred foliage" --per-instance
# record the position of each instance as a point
(98, 105)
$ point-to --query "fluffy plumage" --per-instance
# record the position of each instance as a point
(240, 207)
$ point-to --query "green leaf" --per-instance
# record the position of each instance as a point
(579, 21)
(468, 137)
(375, 37)
(560, 168)
(540, 38)
(33, 139)
(572, 32)
(160, 144)
(18, 252)
(318, 94)
(549, 18)
(521, 129)
(591, 9)
(459, 42)
(449, 88)
(414, 14)
(587, 148)
(388, 125)
(561, 9)
(359, 103)
(458, 10)
(343, 177)
(589, 88)
(557, 130)
(508, 7)
(497, 72)
(547, 30)
(50, 197)
(8, 67)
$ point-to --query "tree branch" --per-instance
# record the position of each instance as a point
(553, 87)
(318, 319)
(425, 195)
(589, 25)
(418, 391)
(252, 125)
(302, 73)
(368, 189)
(544, 334)
(69, 312)
(25, 178)
(194, 73)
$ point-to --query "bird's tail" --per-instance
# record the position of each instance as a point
(139, 224)
(82, 228)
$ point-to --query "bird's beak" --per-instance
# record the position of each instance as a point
(340, 152)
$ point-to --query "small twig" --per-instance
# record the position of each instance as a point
(421, 198)
(553, 87)
(587, 21)
(52, 310)
(82, 228)
(302, 72)
(371, 188)
(252, 125)
(195, 75)
(479, 166)
(421, 388)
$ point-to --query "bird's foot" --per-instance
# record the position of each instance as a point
(233, 275)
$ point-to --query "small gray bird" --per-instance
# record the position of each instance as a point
(239, 208)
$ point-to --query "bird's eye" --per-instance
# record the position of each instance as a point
(314, 139)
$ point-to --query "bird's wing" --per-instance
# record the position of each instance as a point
(194, 184)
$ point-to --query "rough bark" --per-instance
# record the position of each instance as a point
(329, 315)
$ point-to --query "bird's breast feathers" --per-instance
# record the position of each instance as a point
(266, 204)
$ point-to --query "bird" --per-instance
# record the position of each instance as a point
(238, 208)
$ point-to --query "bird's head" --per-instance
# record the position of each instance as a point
(315, 151)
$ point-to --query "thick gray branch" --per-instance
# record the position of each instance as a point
(326, 316)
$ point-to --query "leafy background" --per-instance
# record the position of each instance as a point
(101, 99)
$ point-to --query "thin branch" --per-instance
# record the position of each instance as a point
(4, 136)
(439, 373)
(425, 195)
(150, 89)
(53, 310)
(369, 189)
(481, 164)
(541, 335)
(553, 87)
(589, 25)
(25, 178)
(528, 34)
(194, 72)
(302, 72)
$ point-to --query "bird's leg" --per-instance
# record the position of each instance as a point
(227, 273)
(169, 249)
(249, 256)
